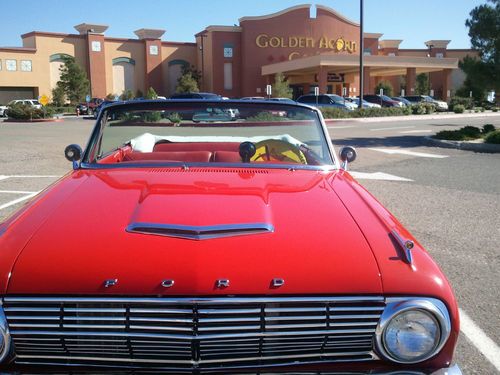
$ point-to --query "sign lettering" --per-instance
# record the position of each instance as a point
(335, 44)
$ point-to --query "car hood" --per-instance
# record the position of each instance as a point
(314, 244)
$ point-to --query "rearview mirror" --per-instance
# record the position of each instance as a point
(73, 153)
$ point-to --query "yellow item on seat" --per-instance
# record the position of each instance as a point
(277, 150)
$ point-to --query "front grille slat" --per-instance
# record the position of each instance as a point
(192, 332)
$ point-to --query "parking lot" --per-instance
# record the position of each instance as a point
(449, 199)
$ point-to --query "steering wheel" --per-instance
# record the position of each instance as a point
(278, 150)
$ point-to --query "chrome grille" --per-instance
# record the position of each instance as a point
(192, 332)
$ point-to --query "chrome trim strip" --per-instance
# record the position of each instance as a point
(199, 362)
(191, 337)
(195, 300)
(398, 305)
(200, 232)
(405, 247)
(4, 331)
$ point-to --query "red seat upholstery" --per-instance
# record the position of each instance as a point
(197, 146)
(227, 157)
(187, 156)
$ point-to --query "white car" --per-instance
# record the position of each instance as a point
(31, 102)
(3, 108)
(365, 103)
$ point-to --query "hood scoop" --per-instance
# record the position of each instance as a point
(200, 232)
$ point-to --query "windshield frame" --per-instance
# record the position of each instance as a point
(156, 104)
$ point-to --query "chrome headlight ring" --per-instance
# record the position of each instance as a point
(432, 308)
(4, 336)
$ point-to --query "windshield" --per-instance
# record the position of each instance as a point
(224, 132)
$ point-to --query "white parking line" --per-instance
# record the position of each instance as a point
(394, 127)
(417, 131)
(3, 177)
(377, 176)
(16, 192)
(406, 152)
(482, 342)
(18, 200)
(340, 127)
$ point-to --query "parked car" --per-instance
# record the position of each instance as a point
(97, 109)
(31, 102)
(88, 108)
(253, 98)
(282, 100)
(3, 108)
(197, 95)
(327, 100)
(365, 103)
(382, 100)
(400, 99)
(217, 247)
(440, 105)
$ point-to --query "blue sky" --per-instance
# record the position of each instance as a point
(413, 21)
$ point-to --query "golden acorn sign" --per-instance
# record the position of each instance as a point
(335, 44)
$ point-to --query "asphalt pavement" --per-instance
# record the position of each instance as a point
(449, 199)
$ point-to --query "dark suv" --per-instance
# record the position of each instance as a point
(383, 100)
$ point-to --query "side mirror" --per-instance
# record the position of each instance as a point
(73, 152)
(347, 155)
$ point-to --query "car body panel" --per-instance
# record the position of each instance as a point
(337, 259)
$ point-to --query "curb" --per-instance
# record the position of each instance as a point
(464, 145)
(32, 121)
(414, 117)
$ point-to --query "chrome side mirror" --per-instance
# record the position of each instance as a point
(347, 155)
(73, 153)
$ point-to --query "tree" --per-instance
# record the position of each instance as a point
(280, 87)
(196, 74)
(151, 94)
(127, 95)
(139, 94)
(187, 83)
(422, 84)
(386, 86)
(58, 96)
(73, 81)
(483, 74)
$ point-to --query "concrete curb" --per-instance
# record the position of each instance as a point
(415, 117)
(463, 145)
(11, 120)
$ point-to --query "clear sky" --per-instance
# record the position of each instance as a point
(413, 21)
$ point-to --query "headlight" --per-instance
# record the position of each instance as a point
(412, 330)
(4, 336)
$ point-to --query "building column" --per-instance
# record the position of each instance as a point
(367, 81)
(446, 85)
(96, 63)
(152, 50)
(411, 79)
(322, 80)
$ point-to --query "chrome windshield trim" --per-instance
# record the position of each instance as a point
(186, 166)
(200, 232)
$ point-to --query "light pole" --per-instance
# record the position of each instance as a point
(361, 53)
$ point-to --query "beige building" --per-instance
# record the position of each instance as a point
(320, 50)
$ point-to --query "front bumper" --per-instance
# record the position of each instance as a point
(16, 370)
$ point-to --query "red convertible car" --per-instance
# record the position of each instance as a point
(230, 244)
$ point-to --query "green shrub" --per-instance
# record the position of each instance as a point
(468, 103)
(27, 112)
(429, 108)
(174, 118)
(464, 134)
(407, 110)
(488, 128)
(495, 109)
(451, 135)
(332, 112)
(493, 137)
(418, 109)
(458, 108)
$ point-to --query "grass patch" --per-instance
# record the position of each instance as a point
(467, 133)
